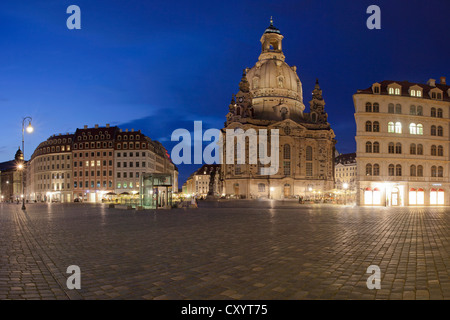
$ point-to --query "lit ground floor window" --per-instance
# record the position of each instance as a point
(372, 197)
(436, 196)
(416, 196)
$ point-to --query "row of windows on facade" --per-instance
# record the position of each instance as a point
(131, 154)
(286, 169)
(86, 155)
(287, 152)
(346, 168)
(102, 136)
(416, 196)
(412, 92)
(57, 157)
(130, 175)
(397, 148)
(80, 173)
(413, 110)
(415, 171)
(54, 186)
(397, 128)
(54, 149)
(92, 163)
(99, 145)
(57, 141)
(345, 174)
(92, 184)
(54, 176)
(57, 166)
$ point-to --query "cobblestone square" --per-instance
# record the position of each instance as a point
(224, 250)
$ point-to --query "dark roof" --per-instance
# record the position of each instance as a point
(346, 158)
(405, 87)
(271, 28)
(206, 169)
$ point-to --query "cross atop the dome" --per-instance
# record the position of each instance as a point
(271, 21)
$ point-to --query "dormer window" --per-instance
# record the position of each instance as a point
(394, 89)
(436, 94)
(415, 91)
(376, 88)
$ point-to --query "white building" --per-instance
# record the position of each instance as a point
(402, 143)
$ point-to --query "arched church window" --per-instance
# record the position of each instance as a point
(287, 151)
(308, 153)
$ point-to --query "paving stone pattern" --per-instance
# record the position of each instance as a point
(228, 250)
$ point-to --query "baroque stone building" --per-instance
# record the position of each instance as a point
(11, 178)
(402, 143)
(271, 97)
(199, 182)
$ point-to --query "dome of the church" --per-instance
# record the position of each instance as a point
(274, 77)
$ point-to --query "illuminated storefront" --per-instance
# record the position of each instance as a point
(396, 194)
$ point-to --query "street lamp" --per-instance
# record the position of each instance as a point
(345, 188)
(29, 129)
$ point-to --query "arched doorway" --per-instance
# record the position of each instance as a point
(236, 189)
(395, 197)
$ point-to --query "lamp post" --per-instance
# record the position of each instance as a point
(29, 130)
(345, 188)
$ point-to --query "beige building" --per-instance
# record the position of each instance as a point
(50, 171)
(402, 143)
(198, 183)
(11, 178)
(271, 97)
(92, 163)
(136, 154)
(345, 174)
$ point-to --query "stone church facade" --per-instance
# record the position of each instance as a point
(271, 97)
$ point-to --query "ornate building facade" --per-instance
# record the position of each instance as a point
(402, 145)
(271, 97)
(11, 178)
(199, 183)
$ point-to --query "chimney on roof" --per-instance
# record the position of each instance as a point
(132, 130)
(120, 130)
(126, 130)
(96, 126)
(85, 126)
(107, 125)
(443, 80)
(431, 83)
